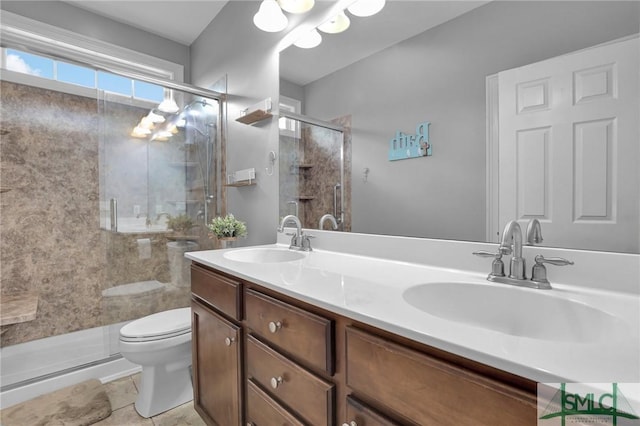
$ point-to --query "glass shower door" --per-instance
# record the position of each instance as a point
(157, 192)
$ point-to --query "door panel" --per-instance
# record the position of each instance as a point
(569, 147)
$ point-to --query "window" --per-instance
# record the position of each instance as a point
(289, 127)
(151, 92)
(27, 63)
(75, 74)
(44, 67)
(114, 83)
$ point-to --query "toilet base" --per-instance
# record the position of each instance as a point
(162, 390)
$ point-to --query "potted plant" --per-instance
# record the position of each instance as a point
(226, 228)
(180, 224)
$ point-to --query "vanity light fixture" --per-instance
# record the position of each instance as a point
(310, 40)
(335, 25)
(296, 6)
(270, 17)
(364, 8)
(168, 105)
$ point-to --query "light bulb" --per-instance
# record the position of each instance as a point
(140, 132)
(296, 6)
(310, 40)
(155, 118)
(336, 25)
(270, 17)
(146, 122)
(168, 105)
(363, 8)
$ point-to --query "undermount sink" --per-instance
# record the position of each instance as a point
(263, 255)
(536, 314)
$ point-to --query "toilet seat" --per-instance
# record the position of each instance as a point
(158, 326)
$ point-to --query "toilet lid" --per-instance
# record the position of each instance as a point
(157, 326)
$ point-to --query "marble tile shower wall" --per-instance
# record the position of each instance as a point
(309, 170)
(50, 223)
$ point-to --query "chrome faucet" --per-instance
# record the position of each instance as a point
(534, 232)
(512, 243)
(331, 219)
(299, 241)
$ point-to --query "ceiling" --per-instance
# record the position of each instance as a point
(179, 20)
(184, 20)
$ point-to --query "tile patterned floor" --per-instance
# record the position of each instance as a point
(122, 394)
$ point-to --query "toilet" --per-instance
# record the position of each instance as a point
(161, 344)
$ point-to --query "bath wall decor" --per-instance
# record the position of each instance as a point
(404, 146)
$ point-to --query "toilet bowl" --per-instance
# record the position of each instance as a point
(161, 344)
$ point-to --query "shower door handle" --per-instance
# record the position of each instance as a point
(113, 214)
(337, 214)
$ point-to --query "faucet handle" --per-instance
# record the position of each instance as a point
(539, 271)
(483, 253)
(558, 261)
(497, 266)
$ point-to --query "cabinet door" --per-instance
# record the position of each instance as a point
(358, 414)
(216, 367)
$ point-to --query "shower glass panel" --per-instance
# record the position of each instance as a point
(158, 189)
(85, 206)
(313, 161)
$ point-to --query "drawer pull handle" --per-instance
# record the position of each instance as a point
(275, 326)
(276, 381)
(229, 340)
(351, 423)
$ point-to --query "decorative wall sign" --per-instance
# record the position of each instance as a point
(404, 146)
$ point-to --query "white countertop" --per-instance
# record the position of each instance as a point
(370, 290)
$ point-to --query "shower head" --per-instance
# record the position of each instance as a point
(197, 102)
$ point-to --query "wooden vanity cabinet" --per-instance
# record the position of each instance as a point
(427, 390)
(217, 347)
(261, 358)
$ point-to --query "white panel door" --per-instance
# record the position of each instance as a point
(569, 147)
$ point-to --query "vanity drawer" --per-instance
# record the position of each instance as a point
(302, 334)
(219, 291)
(264, 411)
(311, 397)
(362, 415)
(427, 390)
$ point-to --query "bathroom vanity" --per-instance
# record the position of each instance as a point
(324, 338)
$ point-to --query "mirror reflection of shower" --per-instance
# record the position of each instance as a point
(315, 171)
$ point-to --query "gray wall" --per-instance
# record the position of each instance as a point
(231, 45)
(71, 18)
(439, 76)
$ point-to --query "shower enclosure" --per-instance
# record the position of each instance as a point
(158, 190)
(102, 193)
(315, 170)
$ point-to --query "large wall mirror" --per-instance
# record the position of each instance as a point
(517, 130)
